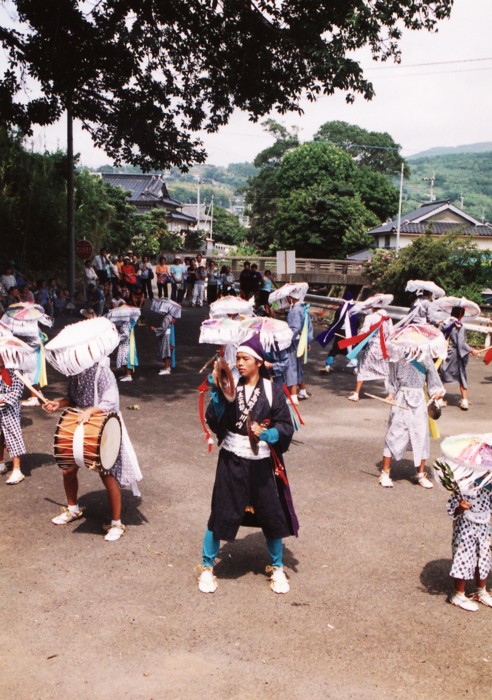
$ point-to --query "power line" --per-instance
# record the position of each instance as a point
(432, 63)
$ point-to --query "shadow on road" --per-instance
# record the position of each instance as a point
(249, 554)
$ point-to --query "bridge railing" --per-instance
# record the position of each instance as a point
(303, 265)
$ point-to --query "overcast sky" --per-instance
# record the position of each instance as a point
(440, 95)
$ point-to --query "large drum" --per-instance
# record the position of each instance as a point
(94, 444)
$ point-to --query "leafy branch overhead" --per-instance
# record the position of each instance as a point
(145, 76)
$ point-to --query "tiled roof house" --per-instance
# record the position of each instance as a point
(436, 218)
(148, 192)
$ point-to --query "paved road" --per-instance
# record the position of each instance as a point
(366, 617)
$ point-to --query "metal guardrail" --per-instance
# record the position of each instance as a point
(480, 324)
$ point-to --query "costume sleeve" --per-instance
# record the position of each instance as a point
(295, 319)
(280, 362)
(11, 394)
(452, 504)
(280, 418)
(107, 389)
(434, 384)
(214, 414)
(392, 379)
(462, 346)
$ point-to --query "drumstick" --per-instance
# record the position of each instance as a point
(391, 403)
(30, 386)
(207, 363)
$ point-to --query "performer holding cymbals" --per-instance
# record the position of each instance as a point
(251, 486)
(80, 351)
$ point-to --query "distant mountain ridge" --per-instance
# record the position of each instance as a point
(483, 147)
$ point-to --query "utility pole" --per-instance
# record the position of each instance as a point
(198, 204)
(398, 225)
(212, 218)
(70, 203)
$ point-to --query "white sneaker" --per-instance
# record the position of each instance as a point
(3, 468)
(423, 481)
(113, 532)
(461, 601)
(207, 582)
(165, 371)
(354, 396)
(33, 401)
(385, 479)
(67, 516)
(464, 405)
(327, 369)
(126, 378)
(303, 394)
(15, 478)
(484, 597)
(294, 399)
(278, 580)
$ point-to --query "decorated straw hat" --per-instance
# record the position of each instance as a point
(231, 305)
(420, 286)
(376, 301)
(273, 332)
(417, 341)
(23, 318)
(16, 354)
(124, 313)
(296, 290)
(470, 450)
(81, 345)
(442, 308)
(166, 306)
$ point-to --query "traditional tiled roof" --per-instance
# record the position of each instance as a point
(143, 189)
(425, 219)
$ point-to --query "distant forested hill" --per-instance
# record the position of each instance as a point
(467, 175)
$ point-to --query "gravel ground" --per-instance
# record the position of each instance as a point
(367, 615)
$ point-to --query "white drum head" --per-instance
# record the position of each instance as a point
(110, 443)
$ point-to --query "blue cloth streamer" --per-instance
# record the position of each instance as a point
(355, 351)
(173, 347)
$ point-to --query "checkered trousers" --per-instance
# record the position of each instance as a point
(10, 425)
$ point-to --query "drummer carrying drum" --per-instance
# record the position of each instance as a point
(92, 392)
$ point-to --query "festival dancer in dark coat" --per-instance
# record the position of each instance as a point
(250, 489)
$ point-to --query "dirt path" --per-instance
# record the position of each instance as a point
(366, 616)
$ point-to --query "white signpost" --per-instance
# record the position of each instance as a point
(286, 262)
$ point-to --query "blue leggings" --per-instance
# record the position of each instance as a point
(211, 547)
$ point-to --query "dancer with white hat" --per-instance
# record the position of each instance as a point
(80, 351)
(14, 355)
(411, 351)
(370, 342)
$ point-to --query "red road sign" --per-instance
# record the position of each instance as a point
(83, 249)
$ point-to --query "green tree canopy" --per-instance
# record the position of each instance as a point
(318, 201)
(375, 149)
(145, 76)
(227, 228)
(451, 261)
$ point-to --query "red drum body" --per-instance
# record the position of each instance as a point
(94, 444)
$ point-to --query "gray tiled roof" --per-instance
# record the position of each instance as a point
(418, 222)
(436, 227)
(142, 188)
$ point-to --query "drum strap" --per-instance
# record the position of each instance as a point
(78, 445)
